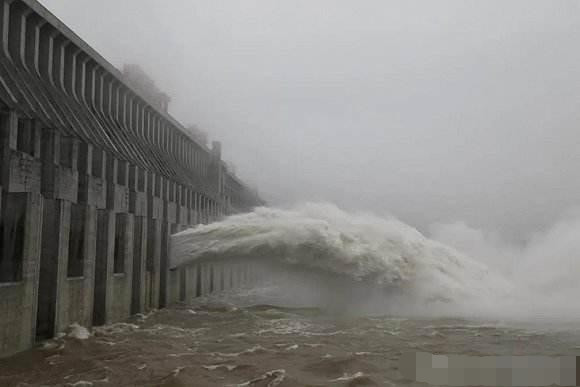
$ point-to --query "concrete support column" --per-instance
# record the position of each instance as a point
(122, 275)
(166, 229)
(244, 273)
(113, 269)
(216, 277)
(196, 208)
(191, 282)
(234, 276)
(174, 285)
(205, 279)
(209, 210)
(155, 214)
(182, 284)
(182, 217)
(233, 283)
(152, 275)
(139, 265)
(76, 175)
(210, 218)
(51, 318)
(138, 206)
(205, 209)
(231, 276)
(202, 219)
(214, 272)
(226, 276)
(176, 276)
(249, 277)
(189, 207)
(104, 267)
(18, 296)
(81, 288)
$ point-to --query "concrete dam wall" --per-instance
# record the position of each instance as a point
(95, 176)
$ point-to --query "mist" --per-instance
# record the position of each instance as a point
(436, 112)
(317, 255)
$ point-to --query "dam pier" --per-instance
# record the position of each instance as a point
(95, 176)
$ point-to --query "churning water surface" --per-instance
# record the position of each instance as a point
(234, 340)
(343, 297)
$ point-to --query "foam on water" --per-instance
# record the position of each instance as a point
(78, 332)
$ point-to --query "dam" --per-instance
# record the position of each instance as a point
(422, 156)
(95, 177)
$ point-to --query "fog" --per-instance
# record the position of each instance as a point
(449, 112)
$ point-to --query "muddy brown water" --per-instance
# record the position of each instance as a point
(221, 342)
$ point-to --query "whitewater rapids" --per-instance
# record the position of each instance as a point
(382, 253)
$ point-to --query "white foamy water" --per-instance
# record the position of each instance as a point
(382, 253)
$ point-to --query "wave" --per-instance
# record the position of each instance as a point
(381, 253)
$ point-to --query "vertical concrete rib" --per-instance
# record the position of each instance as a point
(90, 120)
(104, 267)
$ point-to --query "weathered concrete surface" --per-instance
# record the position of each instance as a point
(54, 252)
(104, 267)
(122, 279)
(83, 157)
(139, 283)
(18, 300)
(153, 264)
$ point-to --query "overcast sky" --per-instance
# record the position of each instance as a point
(434, 111)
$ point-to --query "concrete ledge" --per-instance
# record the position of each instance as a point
(118, 198)
(24, 173)
(60, 183)
(92, 191)
(138, 203)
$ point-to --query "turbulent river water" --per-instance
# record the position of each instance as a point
(344, 297)
(238, 340)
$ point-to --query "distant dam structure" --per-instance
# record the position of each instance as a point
(95, 178)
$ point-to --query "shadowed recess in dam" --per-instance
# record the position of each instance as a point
(319, 254)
